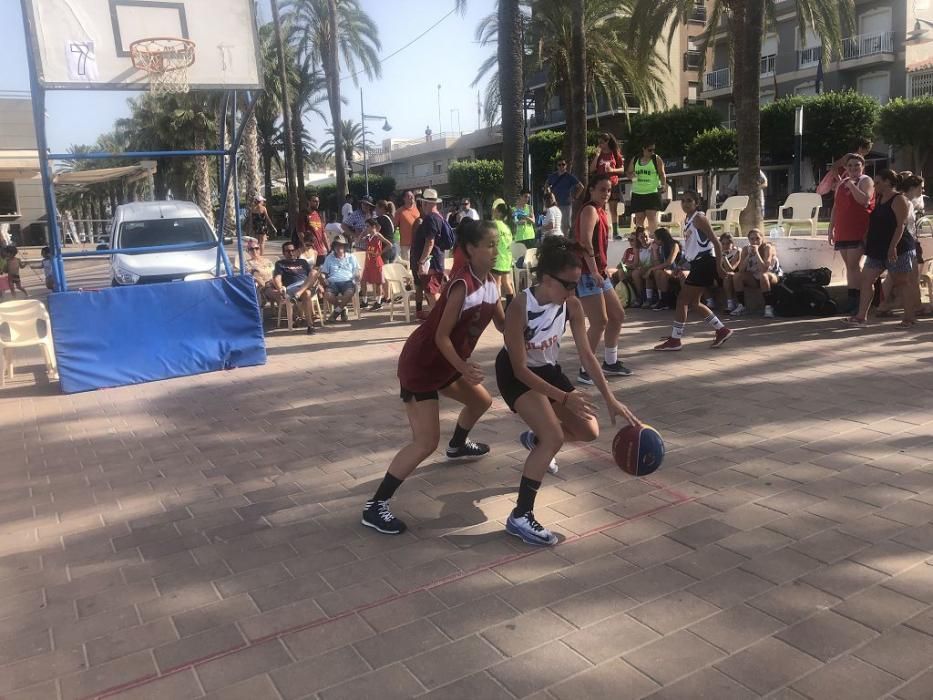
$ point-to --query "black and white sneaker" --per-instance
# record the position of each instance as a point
(376, 306)
(528, 442)
(377, 515)
(584, 378)
(468, 450)
(364, 304)
(334, 316)
(616, 370)
(529, 530)
(343, 316)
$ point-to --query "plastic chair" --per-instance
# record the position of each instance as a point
(286, 308)
(926, 279)
(25, 323)
(396, 275)
(731, 209)
(524, 273)
(673, 216)
(802, 208)
(519, 250)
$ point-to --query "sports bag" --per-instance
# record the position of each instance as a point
(805, 300)
(820, 277)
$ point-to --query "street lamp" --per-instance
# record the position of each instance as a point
(385, 127)
(920, 31)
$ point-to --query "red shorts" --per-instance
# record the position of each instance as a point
(431, 282)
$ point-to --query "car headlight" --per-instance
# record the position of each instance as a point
(125, 276)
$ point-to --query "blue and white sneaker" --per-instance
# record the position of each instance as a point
(528, 442)
(530, 530)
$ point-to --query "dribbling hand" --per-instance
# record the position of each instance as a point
(473, 373)
(617, 408)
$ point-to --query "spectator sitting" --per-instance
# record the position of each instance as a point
(341, 273)
(637, 261)
(758, 267)
(731, 255)
(293, 279)
(666, 268)
(261, 270)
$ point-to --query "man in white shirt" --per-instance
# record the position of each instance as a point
(467, 211)
(347, 207)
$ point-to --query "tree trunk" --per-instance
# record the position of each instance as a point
(251, 156)
(747, 29)
(267, 174)
(202, 181)
(230, 205)
(299, 160)
(577, 105)
(332, 76)
(511, 93)
(286, 120)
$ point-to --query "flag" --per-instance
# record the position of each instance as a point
(819, 76)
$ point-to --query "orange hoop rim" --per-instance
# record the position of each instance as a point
(149, 54)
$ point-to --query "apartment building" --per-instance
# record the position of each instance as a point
(21, 204)
(888, 56)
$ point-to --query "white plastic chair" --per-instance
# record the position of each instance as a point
(25, 323)
(518, 273)
(524, 273)
(673, 216)
(396, 275)
(286, 311)
(801, 208)
(731, 209)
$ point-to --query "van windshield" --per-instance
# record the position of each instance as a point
(141, 234)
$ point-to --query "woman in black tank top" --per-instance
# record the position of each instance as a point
(888, 247)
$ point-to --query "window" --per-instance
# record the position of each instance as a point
(920, 84)
(766, 98)
(438, 167)
(693, 91)
(877, 85)
(805, 89)
(810, 51)
(8, 205)
(142, 234)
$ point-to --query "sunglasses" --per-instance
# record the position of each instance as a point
(568, 285)
(289, 250)
(252, 248)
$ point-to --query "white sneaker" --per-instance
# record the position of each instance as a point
(769, 312)
(530, 530)
(738, 310)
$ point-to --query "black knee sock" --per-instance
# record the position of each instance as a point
(508, 300)
(740, 297)
(418, 306)
(769, 298)
(460, 436)
(527, 491)
(387, 488)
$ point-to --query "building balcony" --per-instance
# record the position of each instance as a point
(698, 14)
(809, 58)
(867, 48)
(717, 81)
(692, 60)
(767, 64)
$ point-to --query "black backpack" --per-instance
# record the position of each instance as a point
(802, 300)
(820, 277)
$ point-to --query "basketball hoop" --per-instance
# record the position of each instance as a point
(166, 61)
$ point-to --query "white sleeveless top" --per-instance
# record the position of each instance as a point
(544, 327)
(694, 243)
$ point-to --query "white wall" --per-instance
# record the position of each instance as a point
(18, 132)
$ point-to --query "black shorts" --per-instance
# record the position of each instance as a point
(702, 271)
(512, 389)
(645, 202)
(847, 245)
(405, 395)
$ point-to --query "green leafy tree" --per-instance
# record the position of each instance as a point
(908, 124)
(545, 147)
(480, 180)
(712, 151)
(671, 130)
(744, 22)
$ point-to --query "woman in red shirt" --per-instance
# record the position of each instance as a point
(848, 223)
(609, 161)
(600, 302)
(436, 359)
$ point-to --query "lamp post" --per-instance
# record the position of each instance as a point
(385, 127)
(798, 147)
(459, 128)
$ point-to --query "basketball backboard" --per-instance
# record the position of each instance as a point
(85, 44)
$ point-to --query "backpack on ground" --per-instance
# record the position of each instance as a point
(802, 300)
(448, 239)
(819, 277)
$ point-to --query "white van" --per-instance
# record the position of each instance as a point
(148, 224)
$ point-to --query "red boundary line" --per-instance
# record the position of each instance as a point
(680, 498)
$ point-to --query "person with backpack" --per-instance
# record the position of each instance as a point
(703, 251)
(648, 181)
(431, 239)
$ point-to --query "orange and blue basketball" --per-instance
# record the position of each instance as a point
(638, 449)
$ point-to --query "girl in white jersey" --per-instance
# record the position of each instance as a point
(531, 381)
(702, 250)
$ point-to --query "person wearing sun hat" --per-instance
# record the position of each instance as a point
(427, 259)
(341, 274)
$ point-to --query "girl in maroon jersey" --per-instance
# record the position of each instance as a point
(436, 359)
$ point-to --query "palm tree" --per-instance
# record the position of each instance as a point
(350, 137)
(511, 51)
(335, 33)
(308, 93)
(577, 77)
(745, 24)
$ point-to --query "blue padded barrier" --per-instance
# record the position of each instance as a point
(127, 335)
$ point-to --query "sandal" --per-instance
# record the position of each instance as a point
(855, 322)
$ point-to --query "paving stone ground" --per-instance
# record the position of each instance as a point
(200, 537)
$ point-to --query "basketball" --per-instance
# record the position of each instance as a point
(638, 449)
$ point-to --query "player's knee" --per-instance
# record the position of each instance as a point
(589, 431)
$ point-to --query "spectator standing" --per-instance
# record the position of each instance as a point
(600, 301)
(259, 224)
(837, 171)
(466, 211)
(552, 225)
(315, 222)
(524, 220)
(502, 265)
(848, 222)
(47, 268)
(348, 207)
(354, 225)
(427, 257)
(609, 161)
(341, 273)
(387, 229)
(376, 244)
(293, 279)
(648, 181)
(405, 219)
(566, 188)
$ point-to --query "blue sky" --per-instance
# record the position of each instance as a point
(406, 93)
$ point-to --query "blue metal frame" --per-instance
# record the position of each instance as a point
(226, 174)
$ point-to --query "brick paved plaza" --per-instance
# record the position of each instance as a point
(200, 536)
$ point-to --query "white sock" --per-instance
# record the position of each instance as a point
(649, 294)
(612, 355)
(713, 321)
(677, 332)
